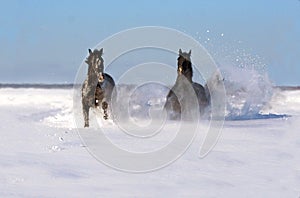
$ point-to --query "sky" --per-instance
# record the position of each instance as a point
(46, 41)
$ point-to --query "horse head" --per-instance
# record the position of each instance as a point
(96, 65)
(184, 64)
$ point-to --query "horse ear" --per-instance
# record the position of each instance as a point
(101, 51)
(90, 51)
(190, 52)
(180, 52)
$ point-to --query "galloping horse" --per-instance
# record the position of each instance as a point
(98, 87)
(184, 73)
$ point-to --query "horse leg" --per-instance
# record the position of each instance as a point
(168, 105)
(86, 109)
(172, 106)
(105, 107)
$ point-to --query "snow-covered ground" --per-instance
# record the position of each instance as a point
(41, 154)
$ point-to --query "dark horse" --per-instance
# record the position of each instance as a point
(184, 71)
(98, 87)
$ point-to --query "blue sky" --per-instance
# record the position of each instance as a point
(46, 41)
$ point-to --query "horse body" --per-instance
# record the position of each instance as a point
(201, 94)
(179, 94)
(104, 89)
(97, 88)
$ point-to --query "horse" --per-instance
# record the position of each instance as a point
(98, 86)
(178, 92)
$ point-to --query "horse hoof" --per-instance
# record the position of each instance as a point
(104, 105)
(86, 125)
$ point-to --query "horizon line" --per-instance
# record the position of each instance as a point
(71, 85)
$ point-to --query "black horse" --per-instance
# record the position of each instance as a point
(98, 87)
(184, 74)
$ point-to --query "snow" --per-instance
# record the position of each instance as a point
(42, 154)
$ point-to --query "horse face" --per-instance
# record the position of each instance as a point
(95, 62)
(183, 62)
(184, 67)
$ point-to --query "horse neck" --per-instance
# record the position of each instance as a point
(92, 76)
(186, 76)
(102, 67)
(189, 75)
